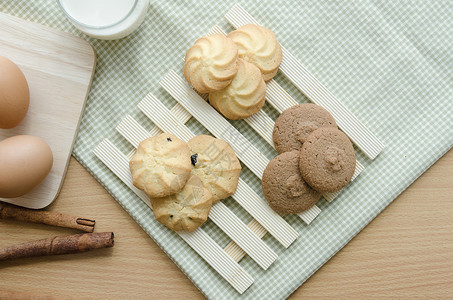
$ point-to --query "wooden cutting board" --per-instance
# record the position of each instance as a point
(59, 68)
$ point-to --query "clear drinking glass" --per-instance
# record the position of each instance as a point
(105, 19)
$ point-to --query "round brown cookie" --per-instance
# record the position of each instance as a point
(327, 160)
(296, 123)
(186, 210)
(161, 165)
(216, 164)
(284, 188)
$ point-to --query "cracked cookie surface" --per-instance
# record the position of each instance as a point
(284, 188)
(327, 160)
(294, 125)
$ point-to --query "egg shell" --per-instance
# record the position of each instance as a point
(25, 161)
(14, 94)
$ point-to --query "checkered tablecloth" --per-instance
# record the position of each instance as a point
(389, 62)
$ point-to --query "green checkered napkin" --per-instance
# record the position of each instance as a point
(389, 62)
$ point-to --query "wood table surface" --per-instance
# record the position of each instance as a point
(407, 251)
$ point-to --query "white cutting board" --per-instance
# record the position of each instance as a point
(59, 68)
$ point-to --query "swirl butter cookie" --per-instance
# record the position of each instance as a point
(216, 164)
(244, 96)
(161, 165)
(259, 46)
(211, 63)
(327, 160)
(186, 210)
(284, 188)
(296, 123)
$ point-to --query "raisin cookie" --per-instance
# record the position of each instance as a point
(186, 210)
(244, 96)
(161, 165)
(284, 188)
(327, 160)
(211, 63)
(296, 123)
(259, 46)
(216, 164)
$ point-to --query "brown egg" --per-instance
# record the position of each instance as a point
(25, 161)
(14, 94)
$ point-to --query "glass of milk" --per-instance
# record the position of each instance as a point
(105, 19)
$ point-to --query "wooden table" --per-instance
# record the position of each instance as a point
(406, 251)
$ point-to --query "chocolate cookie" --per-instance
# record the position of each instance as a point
(296, 123)
(283, 186)
(327, 160)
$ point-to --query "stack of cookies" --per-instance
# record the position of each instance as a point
(315, 157)
(233, 69)
(183, 180)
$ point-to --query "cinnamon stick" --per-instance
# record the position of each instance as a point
(8, 211)
(74, 243)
